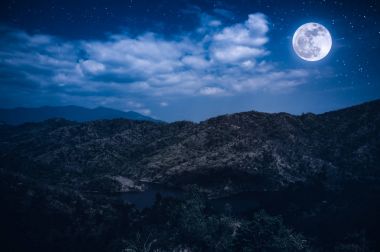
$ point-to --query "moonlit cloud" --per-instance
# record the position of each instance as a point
(144, 111)
(125, 71)
(211, 91)
(164, 104)
(241, 41)
(92, 67)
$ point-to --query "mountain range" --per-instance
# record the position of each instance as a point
(223, 155)
(303, 183)
(73, 113)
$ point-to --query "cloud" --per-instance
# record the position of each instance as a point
(213, 60)
(241, 41)
(224, 13)
(134, 104)
(144, 111)
(211, 91)
(92, 67)
(164, 104)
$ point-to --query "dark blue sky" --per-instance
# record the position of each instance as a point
(186, 59)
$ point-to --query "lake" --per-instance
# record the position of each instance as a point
(237, 203)
(275, 201)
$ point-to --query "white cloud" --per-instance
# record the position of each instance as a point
(213, 60)
(241, 41)
(257, 23)
(211, 91)
(235, 53)
(196, 62)
(134, 104)
(91, 66)
(144, 111)
(215, 23)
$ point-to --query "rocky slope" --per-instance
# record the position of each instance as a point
(226, 154)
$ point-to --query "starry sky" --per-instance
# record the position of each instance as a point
(186, 59)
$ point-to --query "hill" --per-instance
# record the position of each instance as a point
(243, 151)
(312, 181)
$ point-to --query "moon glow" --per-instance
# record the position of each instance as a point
(312, 42)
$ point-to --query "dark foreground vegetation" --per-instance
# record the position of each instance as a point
(53, 218)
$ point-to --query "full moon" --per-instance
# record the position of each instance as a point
(312, 42)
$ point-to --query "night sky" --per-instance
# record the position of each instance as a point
(185, 59)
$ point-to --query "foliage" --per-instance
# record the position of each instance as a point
(268, 233)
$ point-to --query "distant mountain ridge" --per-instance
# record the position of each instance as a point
(21, 115)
